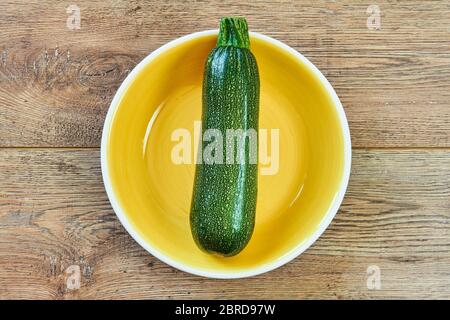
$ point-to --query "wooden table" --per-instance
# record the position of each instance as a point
(56, 83)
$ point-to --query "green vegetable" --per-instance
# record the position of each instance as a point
(224, 197)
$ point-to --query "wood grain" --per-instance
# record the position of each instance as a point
(54, 213)
(56, 84)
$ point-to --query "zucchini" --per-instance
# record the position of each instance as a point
(223, 204)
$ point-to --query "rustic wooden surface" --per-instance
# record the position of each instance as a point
(56, 85)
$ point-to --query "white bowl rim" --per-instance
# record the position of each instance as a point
(268, 266)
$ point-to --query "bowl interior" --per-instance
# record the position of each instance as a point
(154, 193)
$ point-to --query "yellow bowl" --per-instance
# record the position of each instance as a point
(151, 194)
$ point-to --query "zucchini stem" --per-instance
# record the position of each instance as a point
(233, 32)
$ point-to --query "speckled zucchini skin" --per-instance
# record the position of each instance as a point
(224, 196)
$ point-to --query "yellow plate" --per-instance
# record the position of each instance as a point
(151, 194)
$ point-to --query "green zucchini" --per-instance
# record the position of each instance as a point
(224, 196)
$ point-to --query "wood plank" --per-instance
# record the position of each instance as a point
(54, 213)
(56, 84)
(393, 82)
